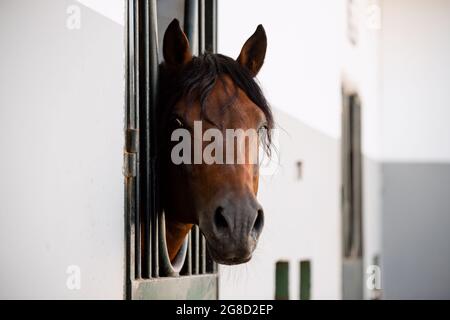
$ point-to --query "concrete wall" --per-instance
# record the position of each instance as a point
(61, 136)
(416, 220)
(416, 148)
(415, 69)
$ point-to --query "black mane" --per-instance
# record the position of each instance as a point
(195, 81)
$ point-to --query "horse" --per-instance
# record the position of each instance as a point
(222, 93)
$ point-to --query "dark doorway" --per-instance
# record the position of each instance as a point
(352, 235)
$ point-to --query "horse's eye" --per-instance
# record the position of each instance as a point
(262, 129)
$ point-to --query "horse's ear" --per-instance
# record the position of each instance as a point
(254, 50)
(176, 49)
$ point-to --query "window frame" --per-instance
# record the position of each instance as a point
(149, 272)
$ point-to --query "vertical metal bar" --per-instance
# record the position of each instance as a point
(154, 63)
(129, 252)
(305, 280)
(147, 256)
(189, 255)
(130, 67)
(152, 127)
(130, 121)
(201, 242)
(191, 24)
(195, 250)
(137, 106)
(209, 44)
(282, 280)
(130, 232)
(187, 266)
(192, 11)
(141, 99)
(201, 26)
(202, 254)
(130, 192)
(211, 26)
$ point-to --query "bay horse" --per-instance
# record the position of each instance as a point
(222, 93)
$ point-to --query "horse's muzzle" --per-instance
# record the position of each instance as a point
(233, 231)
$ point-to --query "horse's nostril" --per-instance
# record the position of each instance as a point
(259, 222)
(219, 220)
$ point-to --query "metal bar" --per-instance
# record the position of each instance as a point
(201, 26)
(195, 250)
(189, 255)
(190, 23)
(137, 106)
(200, 241)
(139, 100)
(210, 43)
(130, 114)
(154, 63)
(152, 127)
(187, 265)
(130, 191)
(305, 280)
(202, 254)
(147, 256)
(192, 11)
(211, 26)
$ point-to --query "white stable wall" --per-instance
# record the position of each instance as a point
(416, 72)
(415, 51)
(61, 136)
